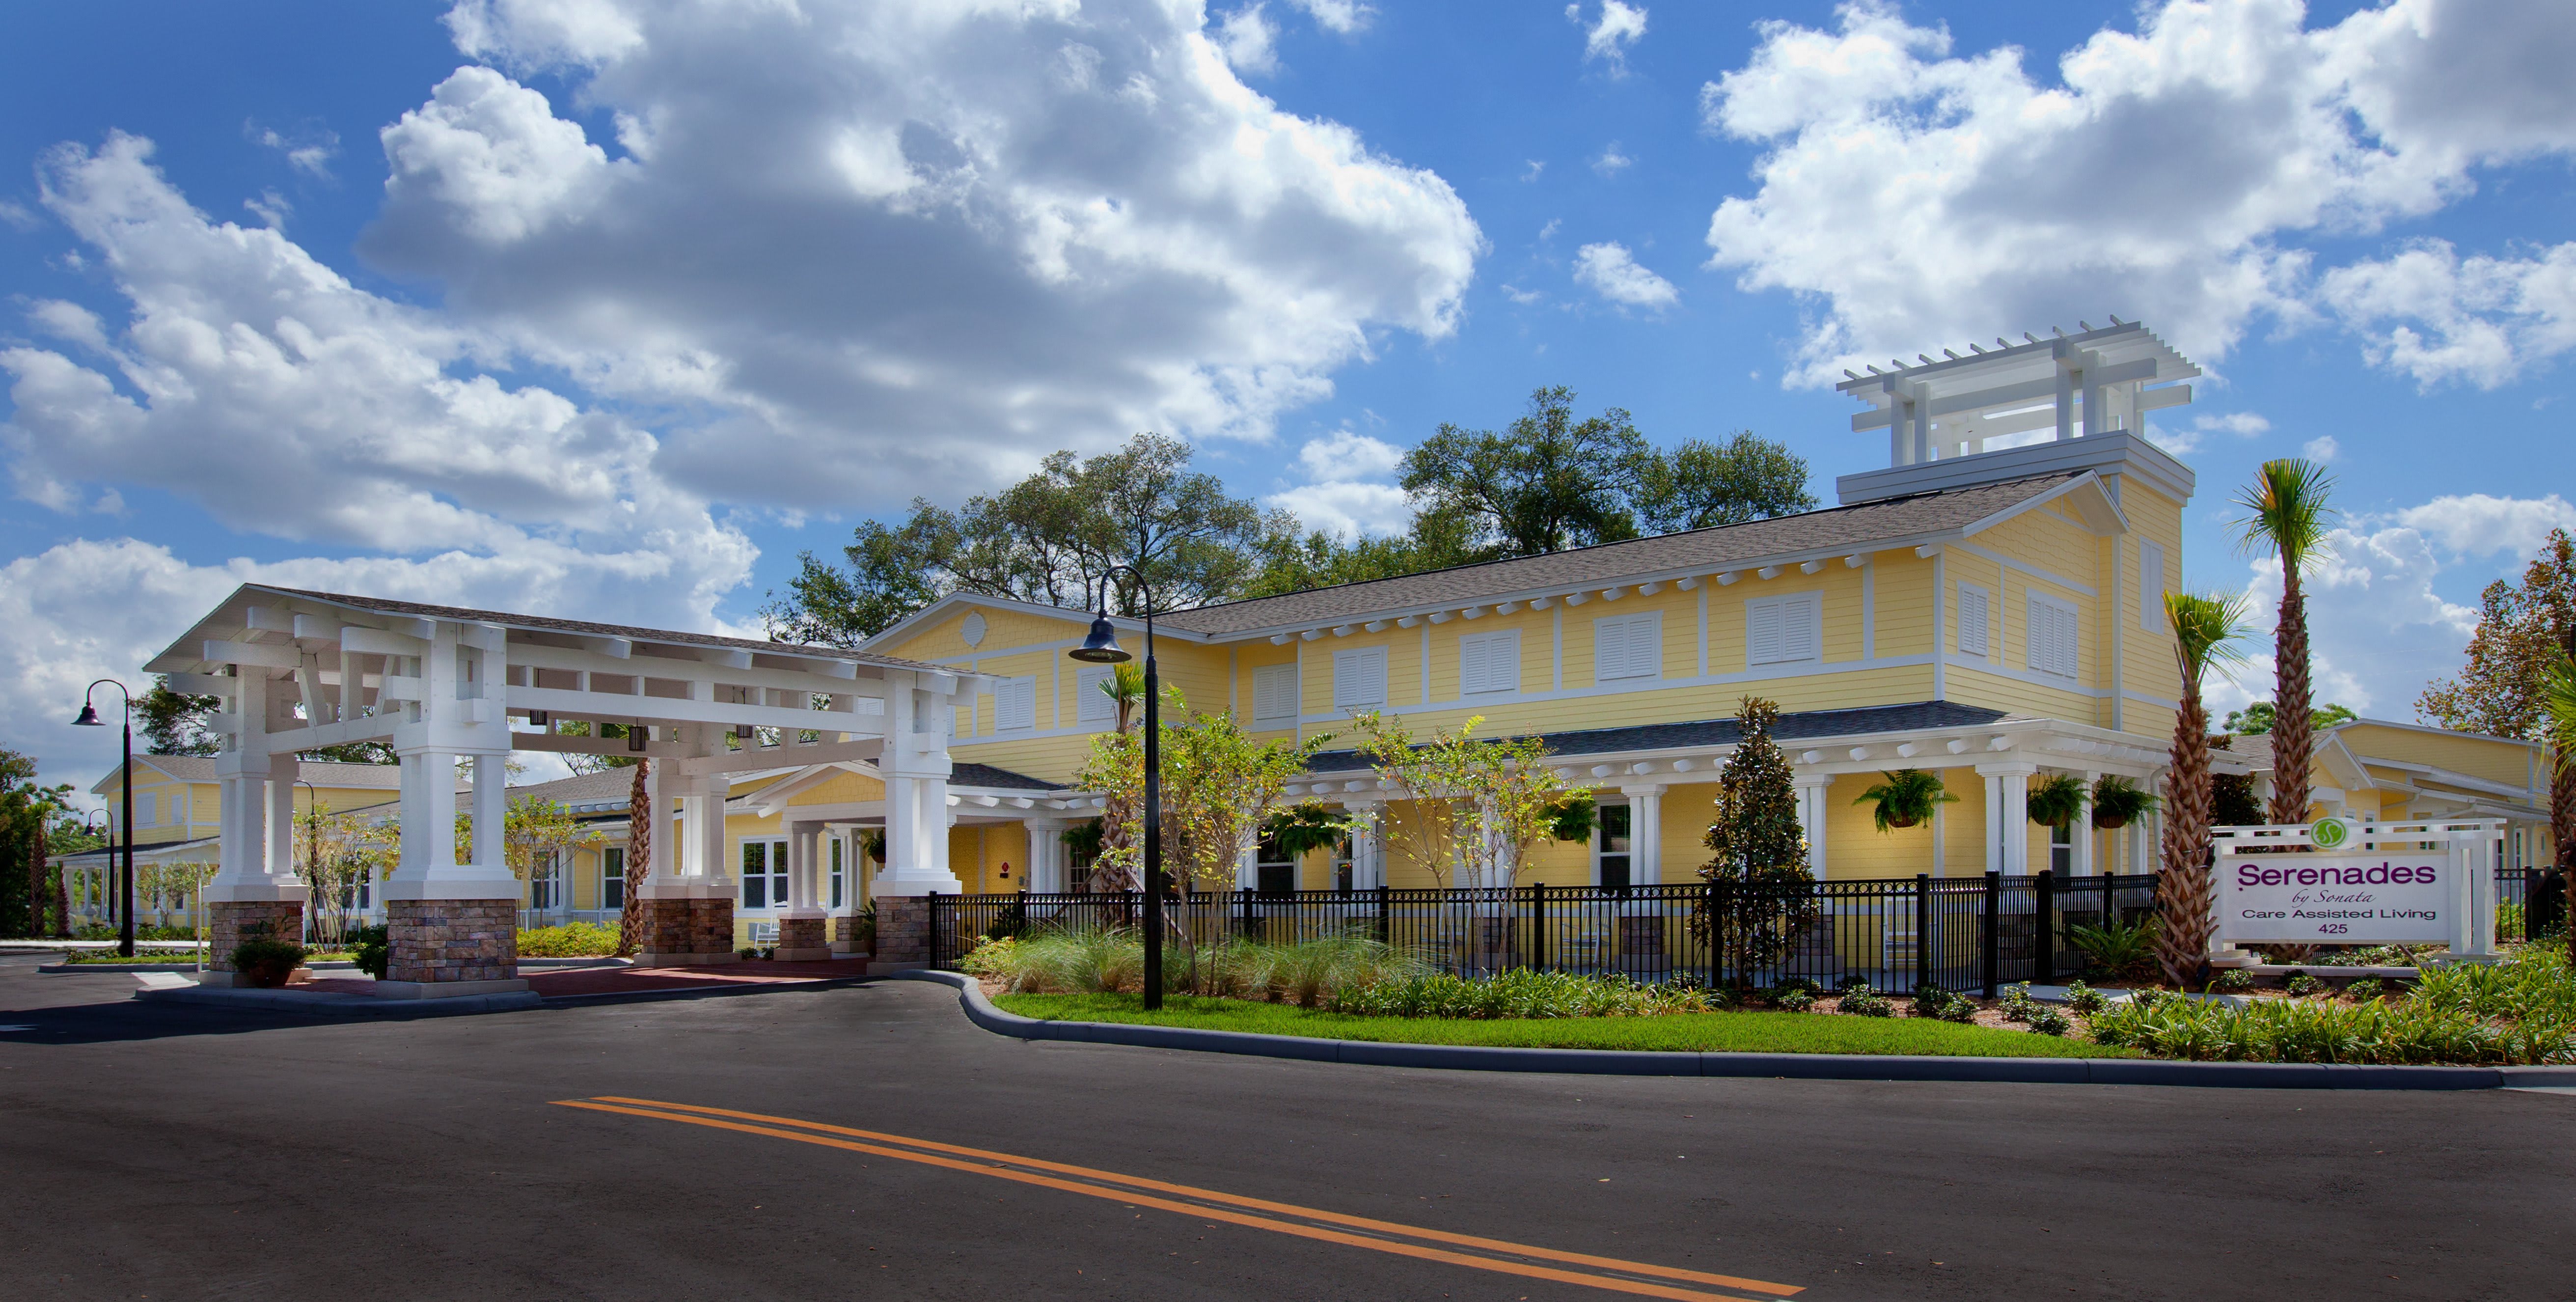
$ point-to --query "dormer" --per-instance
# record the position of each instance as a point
(2043, 406)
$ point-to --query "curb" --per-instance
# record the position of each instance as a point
(345, 1006)
(1786, 1066)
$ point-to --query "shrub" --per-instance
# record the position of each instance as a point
(749, 952)
(571, 940)
(2118, 948)
(265, 961)
(2301, 985)
(2365, 989)
(2084, 999)
(1793, 1000)
(2049, 1021)
(372, 949)
(1861, 1001)
(2234, 980)
(2016, 1003)
(1519, 992)
(1935, 1002)
(2521, 1011)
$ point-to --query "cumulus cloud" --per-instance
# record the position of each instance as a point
(2477, 524)
(2166, 173)
(2378, 629)
(2438, 316)
(1612, 272)
(912, 246)
(1249, 40)
(1342, 17)
(2183, 442)
(2321, 449)
(309, 152)
(1611, 162)
(1614, 28)
(1346, 493)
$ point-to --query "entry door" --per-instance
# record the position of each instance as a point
(764, 874)
(1610, 847)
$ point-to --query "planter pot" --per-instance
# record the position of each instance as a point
(267, 976)
(2108, 823)
(1894, 820)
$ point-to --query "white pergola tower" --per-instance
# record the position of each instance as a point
(294, 671)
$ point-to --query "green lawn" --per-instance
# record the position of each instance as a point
(1729, 1032)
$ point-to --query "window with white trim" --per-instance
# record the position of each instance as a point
(1628, 646)
(2151, 586)
(1489, 662)
(147, 808)
(1359, 678)
(1274, 693)
(2050, 636)
(1784, 630)
(612, 877)
(764, 873)
(1015, 704)
(1975, 612)
(1094, 704)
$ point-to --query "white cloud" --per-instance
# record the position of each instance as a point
(2377, 629)
(1249, 40)
(1612, 273)
(1618, 27)
(911, 247)
(1531, 169)
(271, 208)
(2482, 319)
(1524, 297)
(2163, 175)
(1338, 16)
(2183, 442)
(1612, 162)
(2480, 525)
(2321, 449)
(309, 152)
(1344, 495)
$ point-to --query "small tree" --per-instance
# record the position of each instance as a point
(1764, 897)
(2205, 632)
(1478, 806)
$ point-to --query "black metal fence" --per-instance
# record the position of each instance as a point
(1960, 933)
(2515, 888)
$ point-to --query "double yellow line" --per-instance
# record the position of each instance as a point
(1610, 1273)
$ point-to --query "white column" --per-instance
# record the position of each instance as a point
(1645, 833)
(2007, 817)
(281, 817)
(491, 812)
(1046, 854)
(1994, 820)
(916, 766)
(428, 869)
(662, 876)
(2083, 834)
(1812, 813)
(1368, 860)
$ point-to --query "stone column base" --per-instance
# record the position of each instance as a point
(845, 942)
(800, 940)
(686, 933)
(903, 930)
(439, 942)
(229, 923)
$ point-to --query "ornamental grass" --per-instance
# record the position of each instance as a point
(2522, 1011)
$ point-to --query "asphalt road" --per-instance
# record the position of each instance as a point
(191, 1153)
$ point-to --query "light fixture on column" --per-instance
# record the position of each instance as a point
(537, 718)
(742, 731)
(637, 737)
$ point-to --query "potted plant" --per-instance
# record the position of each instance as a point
(2117, 802)
(2055, 800)
(1305, 828)
(1575, 816)
(264, 961)
(1907, 797)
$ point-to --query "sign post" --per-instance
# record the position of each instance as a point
(2354, 882)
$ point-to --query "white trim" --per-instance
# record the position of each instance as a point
(2151, 588)
(1985, 601)
(2040, 655)
(1625, 686)
(2032, 570)
(2376, 723)
(1703, 626)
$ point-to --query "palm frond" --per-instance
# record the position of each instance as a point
(2286, 512)
(2558, 710)
(2207, 627)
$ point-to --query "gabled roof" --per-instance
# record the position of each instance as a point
(1834, 531)
(585, 793)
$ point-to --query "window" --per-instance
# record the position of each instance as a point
(147, 808)
(838, 849)
(2151, 586)
(545, 884)
(1095, 707)
(1610, 847)
(1015, 705)
(1973, 620)
(179, 805)
(1343, 876)
(764, 874)
(1628, 646)
(1489, 662)
(1079, 855)
(1359, 678)
(1274, 871)
(2051, 636)
(1274, 692)
(2061, 850)
(612, 878)
(1784, 630)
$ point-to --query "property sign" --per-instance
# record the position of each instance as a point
(2346, 899)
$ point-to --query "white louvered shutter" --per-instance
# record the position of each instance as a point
(1359, 678)
(2151, 587)
(1015, 705)
(1095, 705)
(1762, 632)
(1974, 618)
(1475, 655)
(1799, 631)
(1274, 692)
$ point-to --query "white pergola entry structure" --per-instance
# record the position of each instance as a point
(442, 686)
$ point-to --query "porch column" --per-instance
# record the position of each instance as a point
(801, 936)
(2082, 834)
(1368, 861)
(2007, 817)
(1046, 854)
(915, 766)
(1645, 833)
(254, 890)
(455, 927)
(1812, 813)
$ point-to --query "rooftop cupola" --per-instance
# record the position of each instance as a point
(2043, 406)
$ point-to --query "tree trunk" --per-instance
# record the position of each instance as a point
(36, 891)
(2293, 714)
(2183, 887)
(639, 860)
(2562, 813)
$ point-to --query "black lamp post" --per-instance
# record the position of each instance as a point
(1101, 648)
(89, 719)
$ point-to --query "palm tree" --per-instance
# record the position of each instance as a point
(2205, 628)
(639, 859)
(1125, 687)
(2287, 515)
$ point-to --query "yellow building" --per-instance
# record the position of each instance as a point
(177, 821)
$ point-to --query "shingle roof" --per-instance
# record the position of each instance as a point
(1830, 531)
(985, 775)
(321, 773)
(584, 793)
(1806, 725)
(547, 623)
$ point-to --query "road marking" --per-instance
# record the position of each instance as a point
(1121, 1188)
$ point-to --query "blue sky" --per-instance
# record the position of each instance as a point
(612, 306)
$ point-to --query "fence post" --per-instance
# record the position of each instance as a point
(1720, 894)
(1385, 927)
(933, 918)
(1243, 912)
(2043, 928)
(1993, 930)
(1535, 956)
(1922, 930)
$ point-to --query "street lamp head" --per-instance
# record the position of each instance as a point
(88, 717)
(1101, 648)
